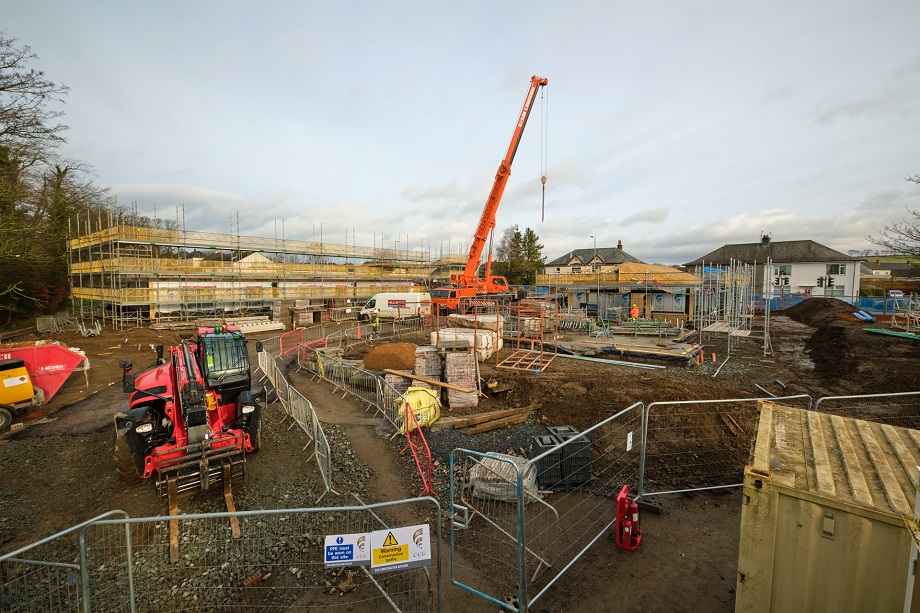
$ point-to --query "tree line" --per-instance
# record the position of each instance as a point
(43, 194)
(40, 190)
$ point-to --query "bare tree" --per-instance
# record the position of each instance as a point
(27, 120)
(903, 237)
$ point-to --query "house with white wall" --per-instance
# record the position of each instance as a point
(592, 260)
(797, 267)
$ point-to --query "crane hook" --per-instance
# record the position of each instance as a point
(543, 202)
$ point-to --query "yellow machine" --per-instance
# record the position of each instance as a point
(16, 391)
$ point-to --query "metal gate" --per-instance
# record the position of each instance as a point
(518, 525)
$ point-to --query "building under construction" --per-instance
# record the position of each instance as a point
(137, 274)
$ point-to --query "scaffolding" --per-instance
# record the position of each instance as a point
(724, 301)
(529, 325)
(907, 317)
(125, 274)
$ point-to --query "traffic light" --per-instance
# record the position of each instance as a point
(820, 281)
(830, 281)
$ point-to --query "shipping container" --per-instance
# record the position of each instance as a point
(823, 514)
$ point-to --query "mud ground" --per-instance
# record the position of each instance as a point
(57, 470)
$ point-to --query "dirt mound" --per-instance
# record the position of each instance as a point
(817, 312)
(398, 356)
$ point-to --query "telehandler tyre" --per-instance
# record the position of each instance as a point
(255, 436)
(124, 463)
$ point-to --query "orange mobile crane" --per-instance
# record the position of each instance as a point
(467, 284)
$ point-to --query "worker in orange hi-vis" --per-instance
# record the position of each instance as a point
(634, 313)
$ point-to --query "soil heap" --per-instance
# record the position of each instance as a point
(398, 356)
(818, 312)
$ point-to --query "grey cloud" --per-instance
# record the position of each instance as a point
(897, 101)
(650, 216)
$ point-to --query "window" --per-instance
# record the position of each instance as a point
(836, 269)
(576, 268)
(225, 354)
(784, 269)
(558, 269)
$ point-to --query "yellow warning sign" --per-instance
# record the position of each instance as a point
(391, 555)
(387, 554)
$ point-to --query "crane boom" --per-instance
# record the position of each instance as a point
(487, 220)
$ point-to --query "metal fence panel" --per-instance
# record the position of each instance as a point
(47, 576)
(276, 564)
(897, 409)
(585, 473)
(303, 414)
(366, 386)
(485, 526)
(700, 444)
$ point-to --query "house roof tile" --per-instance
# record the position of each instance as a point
(779, 251)
(609, 255)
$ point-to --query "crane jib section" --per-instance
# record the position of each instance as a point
(487, 221)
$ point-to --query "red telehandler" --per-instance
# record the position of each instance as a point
(467, 284)
(193, 416)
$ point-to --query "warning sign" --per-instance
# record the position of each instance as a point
(347, 550)
(15, 381)
(400, 548)
(390, 540)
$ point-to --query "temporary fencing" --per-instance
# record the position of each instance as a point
(302, 413)
(366, 386)
(376, 392)
(588, 470)
(510, 540)
(47, 576)
(695, 445)
(361, 384)
(277, 564)
(897, 409)
(421, 454)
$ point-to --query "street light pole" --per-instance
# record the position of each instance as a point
(597, 273)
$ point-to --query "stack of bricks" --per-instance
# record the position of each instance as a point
(400, 384)
(427, 364)
(460, 370)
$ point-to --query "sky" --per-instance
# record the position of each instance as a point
(674, 127)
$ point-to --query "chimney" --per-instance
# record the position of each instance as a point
(764, 239)
(620, 245)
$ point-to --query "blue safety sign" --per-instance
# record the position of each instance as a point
(347, 550)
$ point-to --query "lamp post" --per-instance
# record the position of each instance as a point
(597, 273)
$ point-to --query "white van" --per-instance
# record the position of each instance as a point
(397, 306)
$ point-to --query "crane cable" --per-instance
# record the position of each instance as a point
(544, 138)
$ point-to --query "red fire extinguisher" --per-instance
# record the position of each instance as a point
(629, 535)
